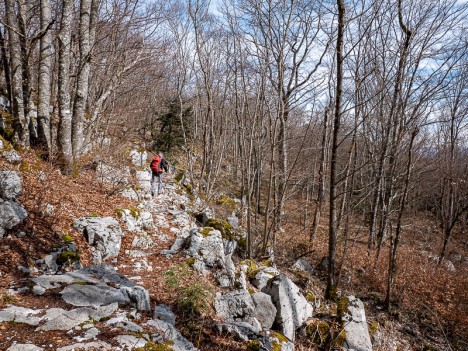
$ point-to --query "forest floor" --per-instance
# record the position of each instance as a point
(430, 306)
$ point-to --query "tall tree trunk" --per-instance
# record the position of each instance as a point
(20, 122)
(88, 17)
(45, 69)
(330, 292)
(65, 124)
(392, 262)
(321, 185)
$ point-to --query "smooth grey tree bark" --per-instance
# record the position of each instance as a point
(65, 124)
(44, 78)
(86, 36)
(20, 122)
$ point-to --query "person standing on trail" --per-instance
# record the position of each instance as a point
(158, 166)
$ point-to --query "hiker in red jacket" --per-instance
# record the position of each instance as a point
(158, 166)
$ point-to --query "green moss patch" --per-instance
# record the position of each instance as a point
(68, 238)
(68, 256)
(206, 231)
(227, 230)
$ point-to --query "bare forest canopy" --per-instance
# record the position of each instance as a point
(357, 109)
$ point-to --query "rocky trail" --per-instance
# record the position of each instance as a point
(121, 301)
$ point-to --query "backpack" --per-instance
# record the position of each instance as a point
(156, 165)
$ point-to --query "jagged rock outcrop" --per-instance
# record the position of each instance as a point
(292, 307)
(206, 246)
(103, 233)
(355, 325)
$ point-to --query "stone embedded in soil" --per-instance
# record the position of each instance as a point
(169, 332)
(60, 319)
(93, 295)
(130, 341)
(95, 345)
(163, 313)
(19, 314)
(24, 347)
(240, 331)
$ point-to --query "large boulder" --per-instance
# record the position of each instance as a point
(207, 247)
(292, 307)
(10, 185)
(353, 317)
(12, 213)
(104, 233)
(265, 310)
(235, 306)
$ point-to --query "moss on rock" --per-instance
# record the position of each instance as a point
(226, 229)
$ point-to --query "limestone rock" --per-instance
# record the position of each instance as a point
(275, 342)
(130, 342)
(292, 307)
(116, 176)
(303, 265)
(121, 321)
(163, 313)
(139, 296)
(138, 157)
(240, 331)
(93, 295)
(355, 326)
(12, 213)
(10, 185)
(265, 310)
(95, 345)
(60, 319)
(102, 232)
(24, 347)
(143, 179)
(19, 314)
(12, 156)
(263, 275)
(235, 306)
(208, 247)
(169, 332)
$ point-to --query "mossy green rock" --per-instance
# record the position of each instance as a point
(226, 229)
